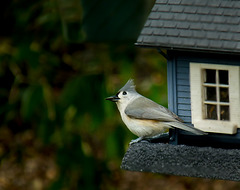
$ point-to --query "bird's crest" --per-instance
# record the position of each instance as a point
(129, 86)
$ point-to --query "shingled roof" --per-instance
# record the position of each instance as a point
(212, 25)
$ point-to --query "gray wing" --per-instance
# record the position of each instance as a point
(144, 108)
(185, 127)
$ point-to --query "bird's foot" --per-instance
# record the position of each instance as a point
(160, 137)
(137, 140)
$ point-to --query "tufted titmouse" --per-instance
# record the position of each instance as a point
(145, 118)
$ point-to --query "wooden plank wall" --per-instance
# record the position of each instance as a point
(183, 90)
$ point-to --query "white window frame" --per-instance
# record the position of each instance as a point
(197, 99)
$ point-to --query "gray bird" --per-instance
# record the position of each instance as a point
(144, 117)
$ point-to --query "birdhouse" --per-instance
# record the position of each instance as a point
(201, 42)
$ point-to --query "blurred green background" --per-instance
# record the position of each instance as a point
(59, 59)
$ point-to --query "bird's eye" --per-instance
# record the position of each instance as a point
(124, 93)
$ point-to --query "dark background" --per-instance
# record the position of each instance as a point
(58, 61)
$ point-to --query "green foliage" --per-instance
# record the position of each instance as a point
(103, 20)
(52, 92)
(31, 99)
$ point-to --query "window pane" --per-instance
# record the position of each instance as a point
(211, 112)
(224, 95)
(211, 94)
(210, 76)
(223, 77)
(224, 113)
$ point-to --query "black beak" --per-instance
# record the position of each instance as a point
(114, 98)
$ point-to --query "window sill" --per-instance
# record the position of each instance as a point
(214, 126)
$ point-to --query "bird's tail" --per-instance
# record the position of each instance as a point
(186, 127)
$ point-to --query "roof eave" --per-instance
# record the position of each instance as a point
(194, 49)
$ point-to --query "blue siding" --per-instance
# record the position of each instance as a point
(183, 101)
(179, 89)
(183, 94)
(172, 85)
(183, 91)
(184, 88)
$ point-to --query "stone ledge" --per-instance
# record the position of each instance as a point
(183, 160)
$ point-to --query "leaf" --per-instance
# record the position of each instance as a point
(49, 100)
(31, 100)
(104, 20)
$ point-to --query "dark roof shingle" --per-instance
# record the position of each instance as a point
(194, 25)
